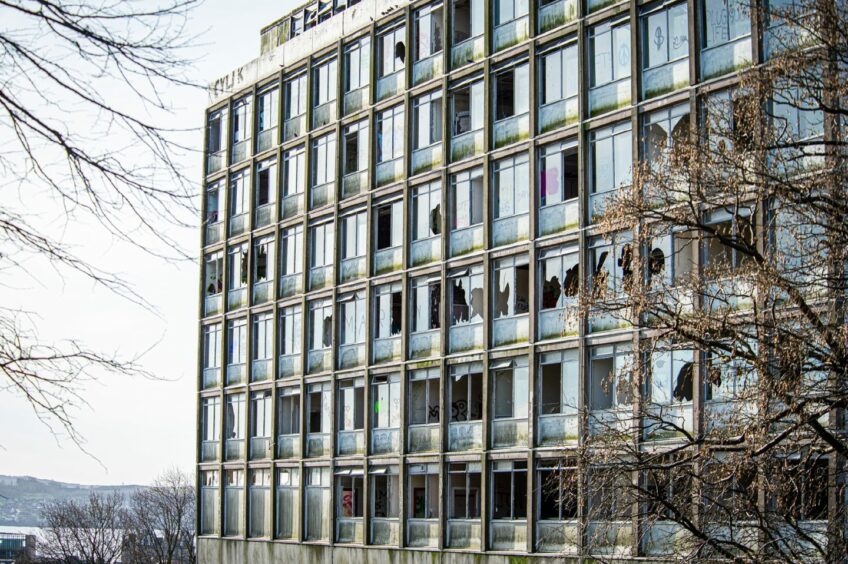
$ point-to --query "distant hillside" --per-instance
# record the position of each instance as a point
(21, 497)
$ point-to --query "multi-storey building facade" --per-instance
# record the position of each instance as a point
(399, 217)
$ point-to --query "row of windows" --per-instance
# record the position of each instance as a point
(303, 511)
(326, 409)
(665, 48)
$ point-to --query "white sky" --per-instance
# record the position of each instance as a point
(135, 427)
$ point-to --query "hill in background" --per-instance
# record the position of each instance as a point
(21, 497)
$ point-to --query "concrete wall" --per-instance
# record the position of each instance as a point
(223, 551)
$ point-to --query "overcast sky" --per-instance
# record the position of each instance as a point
(135, 427)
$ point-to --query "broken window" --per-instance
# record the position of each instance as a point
(385, 395)
(424, 404)
(610, 371)
(266, 182)
(662, 131)
(511, 186)
(352, 314)
(559, 377)
(237, 265)
(466, 299)
(467, 107)
(288, 418)
(557, 481)
(320, 324)
(612, 265)
(427, 120)
(426, 211)
(391, 51)
(512, 87)
(672, 376)
(467, 20)
(428, 31)
(731, 374)
(213, 203)
(464, 490)
(351, 402)
(671, 258)
(467, 199)
(425, 297)
(348, 493)
(389, 224)
(560, 277)
(391, 130)
(263, 259)
(356, 147)
(466, 392)
(388, 300)
(511, 292)
(558, 177)
(509, 490)
(423, 492)
(510, 394)
(318, 407)
(610, 163)
(385, 492)
(234, 417)
(214, 273)
(725, 248)
(290, 330)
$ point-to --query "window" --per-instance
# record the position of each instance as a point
(210, 423)
(390, 133)
(237, 266)
(726, 36)
(208, 502)
(466, 295)
(731, 375)
(560, 277)
(427, 120)
(294, 171)
(322, 245)
(239, 197)
(351, 402)
(557, 490)
(559, 377)
(317, 494)
(467, 20)
(669, 483)
(665, 49)
(787, 24)
(233, 502)
(216, 126)
(234, 418)
(423, 492)
(213, 204)
(354, 235)
(671, 258)
(672, 375)
(466, 392)
(511, 88)
(263, 336)
(267, 102)
(348, 494)
(385, 394)
(558, 83)
(425, 301)
(662, 131)
(725, 114)
(212, 347)
(609, 495)
(467, 108)
(241, 126)
(324, 82)
(509, 10)
(464, 490)
(467, 199)
(323, 169)
(352, 313)
(511, 187)
(319, 407)
(389, 225)
(796, 116)
(263, 259)
(320, 325)
(290, 326)
(288, 419)
(357, 64)
(424, 404)
(610, 373)
(288, 506)
(558, 173)
(385, 492)
(610, 163)
(266, 184)
(291, 255)
(295, 96)
(511, 291)
(388, 308)
(391, 53)
(260, 414)
(722, 252)
(426, 211)
(803, 496)
(609, 66)
(509, 384)
(428, 31)
(356, 147)
(236, 342)
(214, 273)
(509, 490)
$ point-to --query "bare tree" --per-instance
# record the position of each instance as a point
(732, 246)
(90, 532)
(85, 126)
(163, 519)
